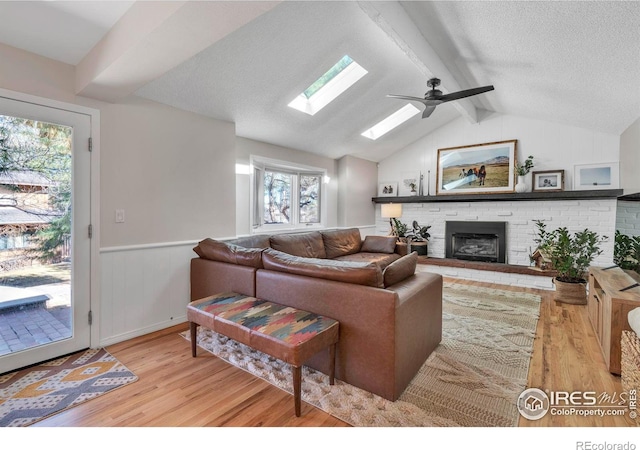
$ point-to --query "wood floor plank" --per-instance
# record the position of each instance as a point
(176, 390)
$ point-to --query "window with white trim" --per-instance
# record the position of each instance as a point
(286, 196)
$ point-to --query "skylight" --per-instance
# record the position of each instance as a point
(325, 89)
(397, 118)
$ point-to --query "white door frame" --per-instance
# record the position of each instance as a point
(94, 196)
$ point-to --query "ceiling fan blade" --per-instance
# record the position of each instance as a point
(466, 93)
(427, 111)
(404, 97)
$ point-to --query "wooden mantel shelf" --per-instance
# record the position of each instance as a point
(508, 197)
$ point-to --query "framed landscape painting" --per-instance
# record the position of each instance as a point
(548, 180)
(474, 169)
(595, 176)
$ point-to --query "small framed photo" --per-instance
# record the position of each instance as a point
(410, 184)
(548, 180)
(596, 176)
(388, 189)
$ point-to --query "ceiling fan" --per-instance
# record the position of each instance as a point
(434, 97)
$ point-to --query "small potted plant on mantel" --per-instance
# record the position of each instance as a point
(521, 171)
(570, 255)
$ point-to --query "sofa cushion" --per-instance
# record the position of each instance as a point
(368, 274)
(341, 242)
(379, 244)
(381, 259)
(306, 245)
(400, 269)
(229, 253)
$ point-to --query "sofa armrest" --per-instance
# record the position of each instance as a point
(213, 277)
(418, 324)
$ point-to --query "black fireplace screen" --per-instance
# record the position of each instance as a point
(476, 241)
(478, 247)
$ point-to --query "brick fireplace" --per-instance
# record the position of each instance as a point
(598, 214)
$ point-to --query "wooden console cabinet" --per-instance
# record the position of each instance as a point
(608, 305)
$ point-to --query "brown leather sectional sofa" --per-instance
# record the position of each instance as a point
(390, 316)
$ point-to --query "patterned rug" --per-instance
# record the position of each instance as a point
(473, 378)
(34, 393)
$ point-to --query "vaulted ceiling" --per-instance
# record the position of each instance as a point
(575, 63)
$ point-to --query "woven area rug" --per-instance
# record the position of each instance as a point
(34, 393)
(473, 378)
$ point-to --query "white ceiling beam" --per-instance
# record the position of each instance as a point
(393, 19)
(154, 37)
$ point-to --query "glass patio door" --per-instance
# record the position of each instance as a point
(45, 181)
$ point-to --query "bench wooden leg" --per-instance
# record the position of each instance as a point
(194, 332)
(297, 386)
(332, 364)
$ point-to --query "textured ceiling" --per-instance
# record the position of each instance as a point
(572, 62)
(576, 63)
(250, 77)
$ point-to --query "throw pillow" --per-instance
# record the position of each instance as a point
(400, 269)
(379, 244)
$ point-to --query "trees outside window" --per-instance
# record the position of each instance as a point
(35, 187)
(285, 196)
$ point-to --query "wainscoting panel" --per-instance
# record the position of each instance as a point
(143, 289)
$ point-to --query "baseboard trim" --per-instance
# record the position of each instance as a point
(142, 331)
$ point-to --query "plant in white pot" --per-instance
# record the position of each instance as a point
(521, 171)
(571, 255)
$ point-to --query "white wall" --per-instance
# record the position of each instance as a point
(173, 172)
(628, 217)
(32, 74)
(357, 184)
(630, 158)
(553, 146)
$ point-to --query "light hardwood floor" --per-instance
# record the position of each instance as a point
(176, 390)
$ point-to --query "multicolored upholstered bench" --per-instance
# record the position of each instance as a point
(286, 333)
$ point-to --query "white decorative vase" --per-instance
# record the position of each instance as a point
(521, 186)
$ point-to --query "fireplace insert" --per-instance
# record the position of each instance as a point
(476, 241)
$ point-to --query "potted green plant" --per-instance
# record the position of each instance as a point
(399, 230)
(418, 238)
(414, 188)
(626, 251)
(571, 254)
(521, 171)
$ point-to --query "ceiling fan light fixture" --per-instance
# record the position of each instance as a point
(392, 121)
